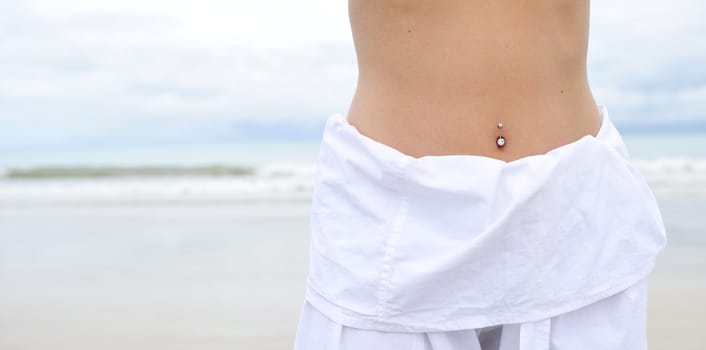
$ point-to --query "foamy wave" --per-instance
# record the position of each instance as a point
(275, 181)
(673, 170)
(286, 170)
(151, 190)
(280, 181)
(671, 165)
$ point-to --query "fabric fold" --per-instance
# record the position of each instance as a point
(451, 242)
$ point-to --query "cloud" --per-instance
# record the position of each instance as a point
(119, 65)
(647, 61)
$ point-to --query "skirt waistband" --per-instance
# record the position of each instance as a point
(458, 173)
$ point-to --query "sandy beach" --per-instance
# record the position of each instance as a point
(185, 275)
(152, 277)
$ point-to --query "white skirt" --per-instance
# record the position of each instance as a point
(617, 322)
(456, 242)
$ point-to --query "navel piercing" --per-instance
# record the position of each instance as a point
(500, 141)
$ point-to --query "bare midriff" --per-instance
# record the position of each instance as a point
(436, 76)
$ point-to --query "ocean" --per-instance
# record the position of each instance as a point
(253, 171)
(206, 246)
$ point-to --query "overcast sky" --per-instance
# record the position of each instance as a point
(76, 68)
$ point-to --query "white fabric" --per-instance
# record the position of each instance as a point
(617, 322)
(453, 242)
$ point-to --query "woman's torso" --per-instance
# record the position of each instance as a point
(435, 77)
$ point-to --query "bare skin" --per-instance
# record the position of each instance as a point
(436, 76)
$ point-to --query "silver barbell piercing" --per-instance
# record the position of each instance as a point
(500, 141)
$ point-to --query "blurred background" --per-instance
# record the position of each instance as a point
(157, 161)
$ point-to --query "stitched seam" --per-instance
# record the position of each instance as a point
(384, 283)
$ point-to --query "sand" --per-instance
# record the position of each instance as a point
(228, 276)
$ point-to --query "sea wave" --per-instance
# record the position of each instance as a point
(140, 184)
(232, 183)
(671, 165)
(670, 173)
(50, 172)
